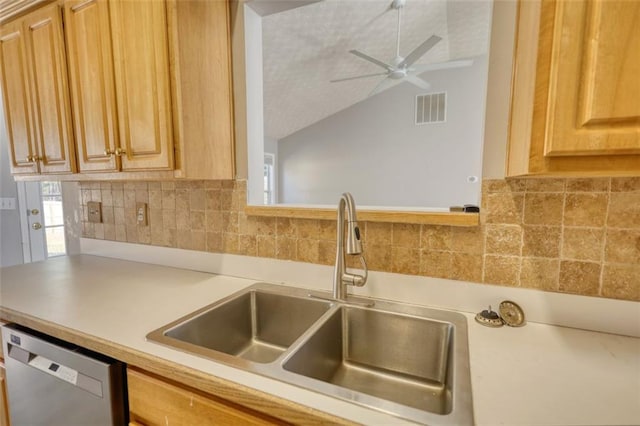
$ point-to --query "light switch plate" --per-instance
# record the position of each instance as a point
(141, 214)
(7, 203)
(94, 211)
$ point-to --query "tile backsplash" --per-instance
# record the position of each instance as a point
(578, 236)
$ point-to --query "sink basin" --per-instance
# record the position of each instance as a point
(256, 326)
(408, 361)
(395, 357)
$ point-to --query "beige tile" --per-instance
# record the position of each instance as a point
(579, 277)
(541, 241)
(213, 221)
(141, 186)
(263, 226)
(230, 243)
(144, 235)
(214, 242)
(436, 263)
(197, 199)
(585, 209)
(308, 228)
(168, 199)
(328, 230)
(212, 184)
(98, 231)
(504, 208)
(621, 282)
(501, 270)
(623, 246)
(183, 238)
(326, 252)
(405, 235)
(541, 208)
(545, 185)
(121, 233)
(96, 195)
(108, 215)
(468, 239)
(266, 246)
(625, 184)
(169, 219)
(504, 239)
(107, 197)
(588, 185)
(171, 238)
(435, 237)
(226, 200)
(541, 274)
(105, 186)
(130, 217)
(405, 260)
(109, 231)
(308, 250)
(378, 256)
(168, 185)
(228, 184)
(503, 185)
(214, 200)
(582, 243)
(286, 248)
(155, 199)
(154, 186)
(142, 196)
(119, 216)
(624, 210)
(155, 218)
(247, 245)
(198, 240)
(129, 199)
(466, 267)
(286, 227)
(132, 233)
(183, 219)
(157, 234)
(378, 233)
(230, 222)
(197, 219)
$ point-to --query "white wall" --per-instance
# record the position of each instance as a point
(10, 236)
(375, 151)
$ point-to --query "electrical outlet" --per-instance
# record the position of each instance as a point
(7, 203)
(95, 211)
(141, 214)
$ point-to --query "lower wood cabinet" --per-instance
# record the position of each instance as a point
(155, 401)
(4, 406)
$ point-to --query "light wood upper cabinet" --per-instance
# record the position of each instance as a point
(16, 99)
(576, 93)
(35, 94)
(92, 84)
(141, 57)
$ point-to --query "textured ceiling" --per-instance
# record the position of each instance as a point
(306, 47)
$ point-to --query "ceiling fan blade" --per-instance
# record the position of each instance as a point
(419, 51)
(357, 77)
(371, 59)
(382, 86)
(417, 81)
(419, 69)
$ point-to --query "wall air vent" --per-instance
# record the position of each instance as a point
(431, 108)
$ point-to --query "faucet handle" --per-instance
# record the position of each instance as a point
(355, 279)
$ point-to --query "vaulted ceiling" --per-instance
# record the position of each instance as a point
(307, 46)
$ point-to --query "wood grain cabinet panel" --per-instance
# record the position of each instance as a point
(156, 402)
(576, 91)
(14, 77)
(35, 94)
(4, 406)
(141, 58)
(92, 84)
(50, 92)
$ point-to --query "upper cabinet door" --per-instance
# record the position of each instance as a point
(141, 59)
(576, 89)
(92, 86)
(595, 79)
(14, 74)
(49, 90)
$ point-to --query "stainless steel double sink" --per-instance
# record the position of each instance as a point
(405, 360)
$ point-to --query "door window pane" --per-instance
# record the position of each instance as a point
(53, 217)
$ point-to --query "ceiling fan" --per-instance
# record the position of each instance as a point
(400, 68)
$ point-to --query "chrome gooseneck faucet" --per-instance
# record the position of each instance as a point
(342, 278)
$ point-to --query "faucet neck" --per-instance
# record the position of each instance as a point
(353, 246)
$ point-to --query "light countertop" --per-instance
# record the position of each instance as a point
(538, 374)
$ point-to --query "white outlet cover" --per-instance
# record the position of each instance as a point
(7, 203)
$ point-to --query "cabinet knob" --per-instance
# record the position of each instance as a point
(33, 158)
(118, 151)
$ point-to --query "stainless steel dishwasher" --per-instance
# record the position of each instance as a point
(52, 382)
